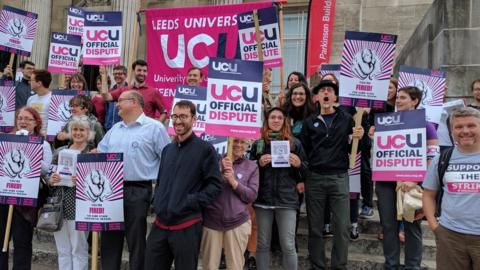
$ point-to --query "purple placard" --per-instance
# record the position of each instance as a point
(269, 36)
(102, 38)
(7, 106)
(20, 165)
(64, 53)
(75, 21)
(59, 111)
(234, 96)
(399, 146)
(367, 63)
(330, 69)
(432, 83)
(99, 194)
(17, 30)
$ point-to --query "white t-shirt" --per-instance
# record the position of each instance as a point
(41, 104)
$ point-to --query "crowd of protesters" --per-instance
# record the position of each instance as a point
(234, 211)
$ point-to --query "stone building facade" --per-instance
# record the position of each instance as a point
(384, 16)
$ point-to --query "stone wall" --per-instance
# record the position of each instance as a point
(447, 39)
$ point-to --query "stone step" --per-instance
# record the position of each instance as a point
(366, 244)
(45, 254)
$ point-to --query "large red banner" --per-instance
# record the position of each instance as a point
(319, 40)
(179, 38)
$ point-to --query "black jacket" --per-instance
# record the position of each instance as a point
(278, 186)
(189, 179)
(327, 149)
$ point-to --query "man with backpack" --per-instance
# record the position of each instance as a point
(456, 172)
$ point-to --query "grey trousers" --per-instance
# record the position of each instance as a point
(334, 189)
(387, 208)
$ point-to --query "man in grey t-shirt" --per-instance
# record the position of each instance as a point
(457, 231)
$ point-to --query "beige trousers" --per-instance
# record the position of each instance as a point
(234, 242)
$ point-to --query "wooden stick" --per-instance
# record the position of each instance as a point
(131, 55)
(12, 58)
(94, 250)
(104, 79)
(358, 123)
(61, 81)
(6, 240)
(230, 148)
(282, 68)
(257, 35)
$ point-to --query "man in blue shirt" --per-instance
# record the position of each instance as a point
(141, 140)
(111, 111)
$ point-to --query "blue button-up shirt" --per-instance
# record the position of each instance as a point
(141, 143)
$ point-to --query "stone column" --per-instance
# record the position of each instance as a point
(42, 40)
(130, 29)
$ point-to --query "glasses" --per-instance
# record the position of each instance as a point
(118, 74)
(122, 99)
(19, 119)
(182, 117)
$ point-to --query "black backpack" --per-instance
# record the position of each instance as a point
(443, 161)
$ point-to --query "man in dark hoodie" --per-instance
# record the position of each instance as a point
(22, 88)
(189, 179)
(325, 137)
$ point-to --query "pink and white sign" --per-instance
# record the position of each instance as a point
(102, 38)
(367, 64)
(7, 107)
(463, 178)
(17, 30)
(399, 146)
(234, 98)
(432, 83)
(269, 37)
(99, 194)
(75, 21)
(20, 164)
(179, 38)
(64, 53)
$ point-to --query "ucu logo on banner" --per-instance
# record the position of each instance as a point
(248, 18)
(386, 38)
(95, 17)
(103, 35)
(235, 93)
(399, 141)
(224, 67)
(187, 91)
(75, 11)
(112, 156)
(75, 22)
(389, 120)
(64, 50)
(249, 38)
(60, 37)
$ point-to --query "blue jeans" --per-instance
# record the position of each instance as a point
(286, 221)
(387, 208)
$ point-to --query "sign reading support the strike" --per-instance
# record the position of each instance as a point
(463, 178)
(234, 98)
(330, 69)
(7, 107)
(197, 95)
(179, 38)
(64, 53)
(75, 21)
(399, 149)
(17, 30)
(367, 63)
(59, 111)
(269, 36)
(99, 195)
(102, 38)
(431, 83)
(20, 164)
